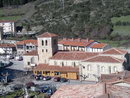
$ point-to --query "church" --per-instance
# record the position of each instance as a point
(49, 61)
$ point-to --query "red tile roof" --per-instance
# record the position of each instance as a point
(116, 77)
(79, 91)
(6, 45)
(76, 42)
(106, 59)
(46, 67)
(47, 34)
(27, 42)
(99, 90)
(73, 55)
(98, 45)
(6, 21)
(115, 51)
(32, 53)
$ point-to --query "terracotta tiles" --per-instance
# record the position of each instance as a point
(6, 45)
(99, 90)
(32, 53)
(115, 51)
(6, 21)
(73, 55)
(98, 45)
(47, 34)
(76, 42)
(107, 59)
(116, 77)
(27, 42)
(46, 67)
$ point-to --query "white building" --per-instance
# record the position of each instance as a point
(26, 46)
(8, 49)
(8, 26)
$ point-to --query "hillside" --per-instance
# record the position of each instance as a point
(74, 18)
(78, 18)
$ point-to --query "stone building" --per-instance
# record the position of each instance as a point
(90, 65)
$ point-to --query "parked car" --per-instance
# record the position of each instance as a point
(39, 77)
(19, 58)
(46, 78)
(63, 80)
(56, 79)
(47, 89)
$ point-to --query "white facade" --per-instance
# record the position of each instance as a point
(8, 26)
(93, 70)
(74, 63)
(30, 61)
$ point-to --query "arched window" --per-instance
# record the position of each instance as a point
(102, 69)
(46, 43)
(115, 69)
(89, 67)
(42, 43)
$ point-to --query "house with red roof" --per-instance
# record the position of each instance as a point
(26, 46)
(8, 49)
(98, 47)
(49, 61)
(99, 90)
(82, 45)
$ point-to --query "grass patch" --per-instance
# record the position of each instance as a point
(113, 43)
(121, 30)
(14, 18)
(121, 19)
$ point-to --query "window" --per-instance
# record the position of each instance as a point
(55, 63)
(102, 69)
(28, 63)
(83, 67)
(62, 63)
(89, 67)
(42, 43)
(115, 69)
(46, 42)
(46, 50)
(74, 64)
(42, 50)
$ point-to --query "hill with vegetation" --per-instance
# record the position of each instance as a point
(101, 19)
(79, 18)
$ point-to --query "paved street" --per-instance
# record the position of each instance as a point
(17, 65)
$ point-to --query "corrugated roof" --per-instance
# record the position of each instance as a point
(47, 34)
